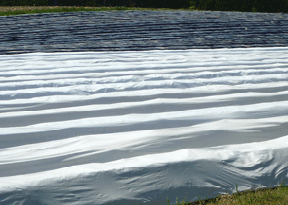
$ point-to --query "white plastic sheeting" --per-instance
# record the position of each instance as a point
(138, 127)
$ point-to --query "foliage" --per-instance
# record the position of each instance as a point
(244, 5)
(126, 3)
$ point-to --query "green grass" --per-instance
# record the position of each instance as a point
(35, 10)
(267, 196)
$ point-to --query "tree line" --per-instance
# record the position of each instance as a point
(214, 5)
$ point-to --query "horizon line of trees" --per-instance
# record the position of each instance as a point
(214, 5)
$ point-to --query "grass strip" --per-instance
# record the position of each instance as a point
(266, 196)
(18, 10)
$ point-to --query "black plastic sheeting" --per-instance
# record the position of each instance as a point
(140, 30)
